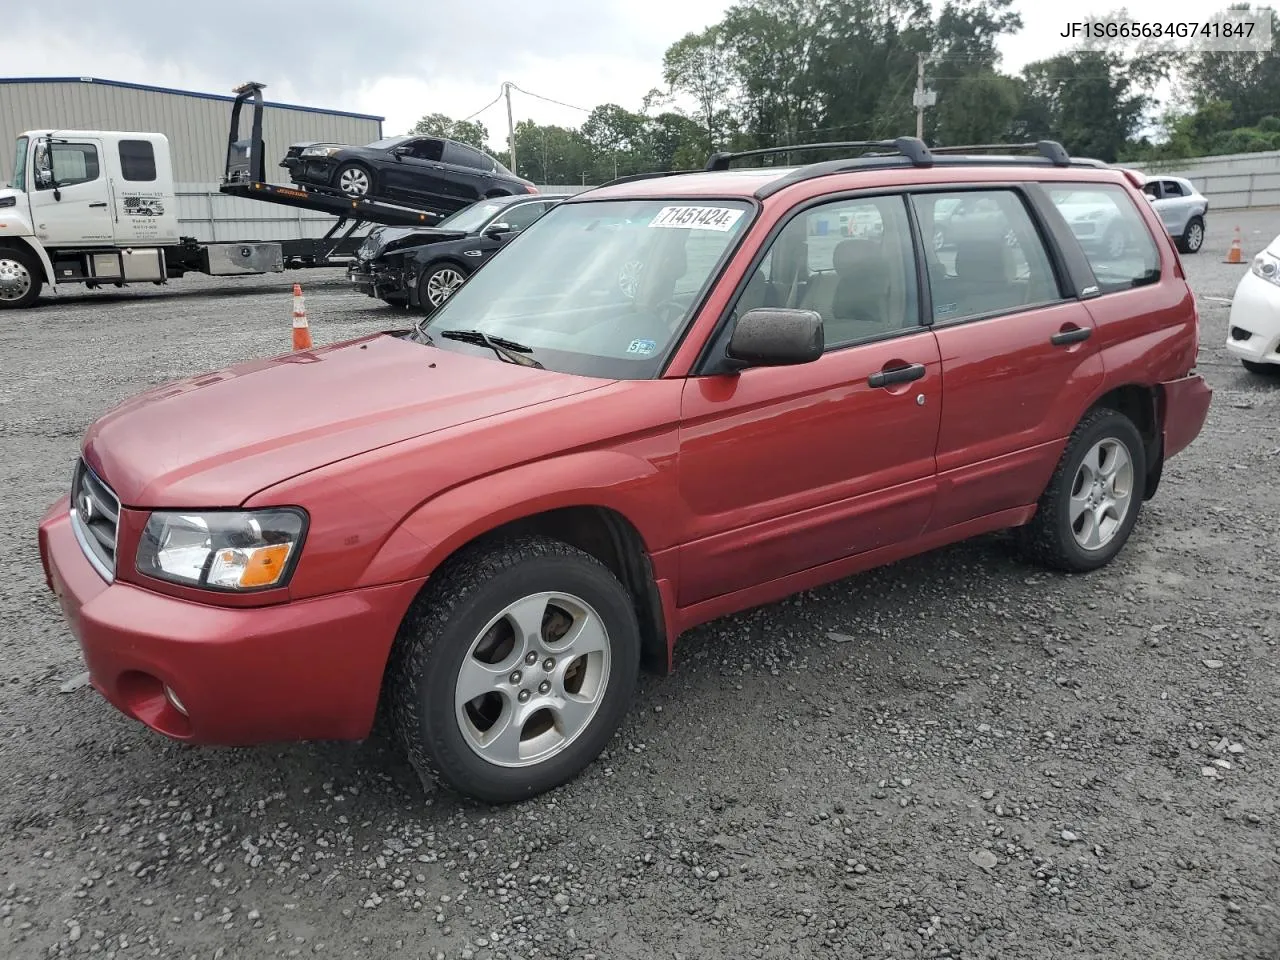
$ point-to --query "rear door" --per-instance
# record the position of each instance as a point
(71, 199)
(1174, 206)
(465, 172)
(1019, 359)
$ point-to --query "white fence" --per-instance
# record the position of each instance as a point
(209, 215)
(1231, 182)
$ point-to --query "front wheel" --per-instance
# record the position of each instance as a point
(20, 278)
(354, 181)
(437, 284)
(514, 669)
(1092, 502)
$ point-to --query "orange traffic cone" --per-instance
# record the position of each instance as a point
(301, 331)
(1234, 255)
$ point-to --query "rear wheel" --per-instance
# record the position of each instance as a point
(20, 278)
(513, 669)
(354, 181)
(1192, 238)
(1092, 502)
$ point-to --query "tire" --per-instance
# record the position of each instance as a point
(446, 276)
(467, 607)
(21, 278)
(354, 180)
(1192, 238)
(1051, 539)
(1262, 369)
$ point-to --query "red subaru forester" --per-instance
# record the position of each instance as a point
(674, 397)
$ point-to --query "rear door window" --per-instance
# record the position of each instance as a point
(987, 257)
(137, 161)
(1111, 232)
(460, 156)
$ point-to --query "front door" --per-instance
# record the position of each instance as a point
(1020, 363)
(71, 196)
(787, 468)
(418, 175)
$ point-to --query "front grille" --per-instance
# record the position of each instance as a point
(95, 514)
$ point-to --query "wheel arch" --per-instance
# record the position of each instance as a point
(28, 245)
(1143, 405)
(535, 499)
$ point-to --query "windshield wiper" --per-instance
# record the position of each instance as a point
(508, 350)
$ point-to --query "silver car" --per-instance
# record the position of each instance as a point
(1182, 209)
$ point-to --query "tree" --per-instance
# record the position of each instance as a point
(975, 104)
(699, 65)
(616, 137)
(1085, 99)
(979, 108)
(470, 132)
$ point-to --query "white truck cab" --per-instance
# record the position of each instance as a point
(85, 207)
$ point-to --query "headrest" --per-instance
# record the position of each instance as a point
(861, 259)
(986, 259)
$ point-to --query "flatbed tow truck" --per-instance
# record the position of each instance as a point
(98, 208)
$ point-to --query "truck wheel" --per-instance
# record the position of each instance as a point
(1093, 499)
(1192, 237)
(354, 180)
(20, 278)
(513, 669)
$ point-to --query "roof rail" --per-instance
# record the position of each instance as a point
(912, 148)
(1051, 150)
(633, 177)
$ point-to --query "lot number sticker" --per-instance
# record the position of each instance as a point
(720, 219)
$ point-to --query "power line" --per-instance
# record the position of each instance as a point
(482, 109)
(538, 96)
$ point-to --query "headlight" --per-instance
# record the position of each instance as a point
(321, 151)
(223, 550)
(1267, 267)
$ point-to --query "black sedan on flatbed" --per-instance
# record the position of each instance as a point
(430, 172)
(422, 266)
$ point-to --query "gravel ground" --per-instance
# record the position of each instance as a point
(956, 756)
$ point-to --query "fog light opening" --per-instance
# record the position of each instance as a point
(174, 701)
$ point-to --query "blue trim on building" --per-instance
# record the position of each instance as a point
(186, 93)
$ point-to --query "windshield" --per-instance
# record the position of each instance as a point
(19, 181)
(601, 289)
(386, 144)
(471, 218)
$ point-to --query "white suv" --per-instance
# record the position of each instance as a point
(1182, 209)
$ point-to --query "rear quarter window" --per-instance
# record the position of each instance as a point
(1112, 233)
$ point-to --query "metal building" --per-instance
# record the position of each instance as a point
(197, 126)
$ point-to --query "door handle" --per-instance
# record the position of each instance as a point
(1076, 335)
(884, 378)
(97, 204)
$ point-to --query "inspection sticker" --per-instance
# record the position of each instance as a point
(642, 347)
(720, 219)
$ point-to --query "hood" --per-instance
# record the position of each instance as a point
(215, 440)
(385, 239)
(297, 148)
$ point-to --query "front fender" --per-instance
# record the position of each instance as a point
(633, 486)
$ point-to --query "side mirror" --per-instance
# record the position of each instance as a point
(497, 229)
(402, 152)
(777, 338)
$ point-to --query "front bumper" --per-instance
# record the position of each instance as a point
(1253, 330)
(377, 280)
(311, 170)
(309, 670)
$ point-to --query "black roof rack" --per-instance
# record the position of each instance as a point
(1051, 150)
(633, 177)
(912, 148)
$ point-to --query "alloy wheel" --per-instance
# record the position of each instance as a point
(442, 284)
(1101, 494)
(533, 680)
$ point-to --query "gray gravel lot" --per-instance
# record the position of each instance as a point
(957, 756)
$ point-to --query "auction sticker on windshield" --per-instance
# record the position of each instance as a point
(721, 219)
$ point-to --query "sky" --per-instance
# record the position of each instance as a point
(401, 59)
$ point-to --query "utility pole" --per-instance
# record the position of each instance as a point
(919, 96)
(511, 127)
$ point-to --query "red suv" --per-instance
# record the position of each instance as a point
(672, 398)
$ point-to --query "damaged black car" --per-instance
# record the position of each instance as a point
(421, 267)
